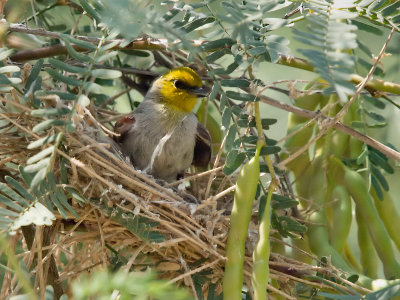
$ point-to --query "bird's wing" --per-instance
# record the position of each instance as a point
(122, 127)
(202, 148)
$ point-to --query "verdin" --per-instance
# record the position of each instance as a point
(162, 136)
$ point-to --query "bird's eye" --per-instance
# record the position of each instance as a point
(179, 84)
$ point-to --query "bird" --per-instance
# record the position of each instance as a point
(162, 136)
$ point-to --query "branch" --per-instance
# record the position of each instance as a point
(143, 43)
(389, 152)
(33, 54)
(372, 85)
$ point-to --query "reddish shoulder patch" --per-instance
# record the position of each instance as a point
(122, 127)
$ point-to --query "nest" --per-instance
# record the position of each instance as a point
(127, 216)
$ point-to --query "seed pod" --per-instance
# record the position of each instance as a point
(246, 187)
(358, 189)
(341, 217)
(368, 257)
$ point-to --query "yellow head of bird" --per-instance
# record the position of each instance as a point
(180, 88)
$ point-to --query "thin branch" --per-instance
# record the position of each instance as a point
(372, 85)
(387, 151)
(363, 83)
(143, 43)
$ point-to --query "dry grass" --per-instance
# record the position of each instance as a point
(125, 208)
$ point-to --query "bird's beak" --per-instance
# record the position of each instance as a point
(200, 91)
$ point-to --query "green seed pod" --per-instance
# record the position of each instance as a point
(368, 257)
(246, 187)
(358, 189)
(341, 217)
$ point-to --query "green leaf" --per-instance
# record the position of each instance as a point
(67, 67)
(217, 55)
(42, 154)
(396, 19)
(111, 55)
(389, 292)
(63, 170)
(4, 53)
(214, 92)
(379, 177)
(282, 202)
(257, 51)
(93, 88)
(292, 225)
(75, 54)
(390, 9)
(133, 52)
(238, 111)
(5, 221)
(380, 161)
(362, 156)
(48, 203)
(235, 82)
(26, 176)
(83, 100)
(267, 150)
(375, 116)
(6, 89)
(375, 102)
(74, 193)
(275, 23)
(62, 95)
(230, 138)
(42, 164)
(226, 118)
(66, 79)
(267, 122)
(4, 80)
(47, 112)
(43, 141)
(58, 205)
(11, 80)
(90, 10)
(234, 159)
(376, 124)
(49, 123)
(10, 203)
(244, 122)
(6, 190)
(367, 27)
(251, 139)
(78, 42)
(357, 124)
(9, 69)
(33, 75)
(242, 96)
(49, 295)
(198, 23)
(217, 44)
(64, 201)
(7, 213)
(106, 74)
(19, 188)
(232, 67)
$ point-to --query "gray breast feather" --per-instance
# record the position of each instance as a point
(165, 150)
